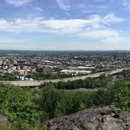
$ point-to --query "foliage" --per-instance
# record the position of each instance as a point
(27, 110)
(8, 77)
(53, 103)
(88, 83)
(41, 76)
(122, 96)
(16, 107)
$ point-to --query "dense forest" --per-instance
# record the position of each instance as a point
(27, 109)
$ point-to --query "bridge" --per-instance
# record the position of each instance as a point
(38, 83)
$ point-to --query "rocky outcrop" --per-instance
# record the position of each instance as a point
(3, 121)
(92, 119)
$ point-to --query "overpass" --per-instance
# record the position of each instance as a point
(38, 83)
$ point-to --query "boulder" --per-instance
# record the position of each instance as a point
(3, 121)
(92, 119)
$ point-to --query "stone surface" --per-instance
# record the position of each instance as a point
(3, 121)
(92, 119)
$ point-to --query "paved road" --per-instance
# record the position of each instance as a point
(37, 83)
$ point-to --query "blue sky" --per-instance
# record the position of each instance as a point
(65, 24)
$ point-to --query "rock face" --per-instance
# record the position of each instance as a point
(92, 119)
(3, 121)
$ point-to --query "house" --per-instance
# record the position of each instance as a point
(46, 69)
(22, 72)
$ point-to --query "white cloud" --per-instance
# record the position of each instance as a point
(63, 4)
(67, 13)
(126, 4)
(41, 25)
(93, 27)
(37, 8)
(66, 26)
(3, 24)
(100, 33)
(96, 21)
(58, 24)
(116, 39)
(110, 18)
(106, 36)
(10, 41)
(17, 2)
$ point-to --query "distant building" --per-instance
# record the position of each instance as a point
(115, 57)
(46, 69)
(15, 62)
(84, 68)
(75, 72)
(33, 70)
(22, 72)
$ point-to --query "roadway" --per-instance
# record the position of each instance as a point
(37, 83)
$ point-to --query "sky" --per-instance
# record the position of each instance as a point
(65, 24)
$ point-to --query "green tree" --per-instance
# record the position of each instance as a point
(15, 106)
(122, 99)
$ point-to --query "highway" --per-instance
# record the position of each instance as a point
(29, 83)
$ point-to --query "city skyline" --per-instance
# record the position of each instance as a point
(64, 25)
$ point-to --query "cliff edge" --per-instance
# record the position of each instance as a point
(92, 119)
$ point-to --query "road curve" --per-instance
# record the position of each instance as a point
(37, 83)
